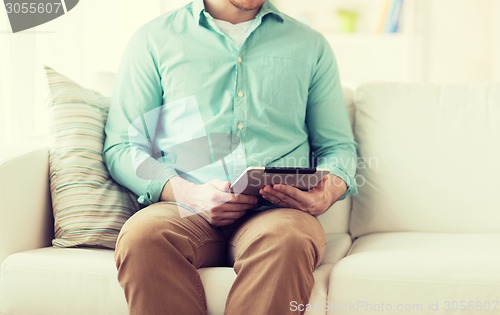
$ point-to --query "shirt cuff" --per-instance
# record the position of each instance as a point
(352, 189)
(155, 187)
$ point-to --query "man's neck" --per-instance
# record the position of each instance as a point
(226, 11)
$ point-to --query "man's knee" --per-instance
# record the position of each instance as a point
(289, 233)
(296, 239)
(294, 227)
(141, 231)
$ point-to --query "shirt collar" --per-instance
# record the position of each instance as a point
(267, 8)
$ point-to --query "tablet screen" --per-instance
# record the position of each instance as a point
(254, 178)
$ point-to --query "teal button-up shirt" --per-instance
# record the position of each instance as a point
(189, 101)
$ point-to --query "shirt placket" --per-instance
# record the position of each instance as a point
(239, 124)
(237, 163)
(240, 108)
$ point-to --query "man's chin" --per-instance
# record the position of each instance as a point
(246, 7)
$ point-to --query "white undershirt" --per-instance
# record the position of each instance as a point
(238, 32)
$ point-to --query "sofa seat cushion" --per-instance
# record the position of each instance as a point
(61, 281)
(418, 273)
(337, 246)
(73, 281)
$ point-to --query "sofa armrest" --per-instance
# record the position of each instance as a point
(26, 220)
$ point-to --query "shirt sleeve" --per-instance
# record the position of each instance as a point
(132, 122)
(331, 137)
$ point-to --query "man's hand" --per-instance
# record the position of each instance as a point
(315, 201)
(211, 200)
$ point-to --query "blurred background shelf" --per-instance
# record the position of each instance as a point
(331, 16)
(365, 51)
(445, 41)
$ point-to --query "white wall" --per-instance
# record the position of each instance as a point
(88, 39)
(495, 31)
(92, 36)
(457, 40)
(169, 5)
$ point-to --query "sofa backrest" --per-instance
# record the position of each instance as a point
(430, 158)
(336, 219)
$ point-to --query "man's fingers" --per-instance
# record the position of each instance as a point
(285, 196)
(226, 215)
(223, 216)
(225, 197)
(290, 191)
(286, 193)
(272, 199)
(244, 199)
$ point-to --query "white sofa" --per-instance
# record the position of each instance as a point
(426, 224)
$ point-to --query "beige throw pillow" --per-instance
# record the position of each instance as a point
(89, 206)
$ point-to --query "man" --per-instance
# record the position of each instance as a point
(270, 86)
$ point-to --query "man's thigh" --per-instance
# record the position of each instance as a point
(278, 225)
(188, 232)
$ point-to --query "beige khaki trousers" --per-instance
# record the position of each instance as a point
(273, 253)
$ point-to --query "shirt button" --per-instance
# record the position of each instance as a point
(239, 60)
(240, 126)
(240, 94)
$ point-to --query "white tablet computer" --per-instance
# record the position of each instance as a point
(254, 178)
